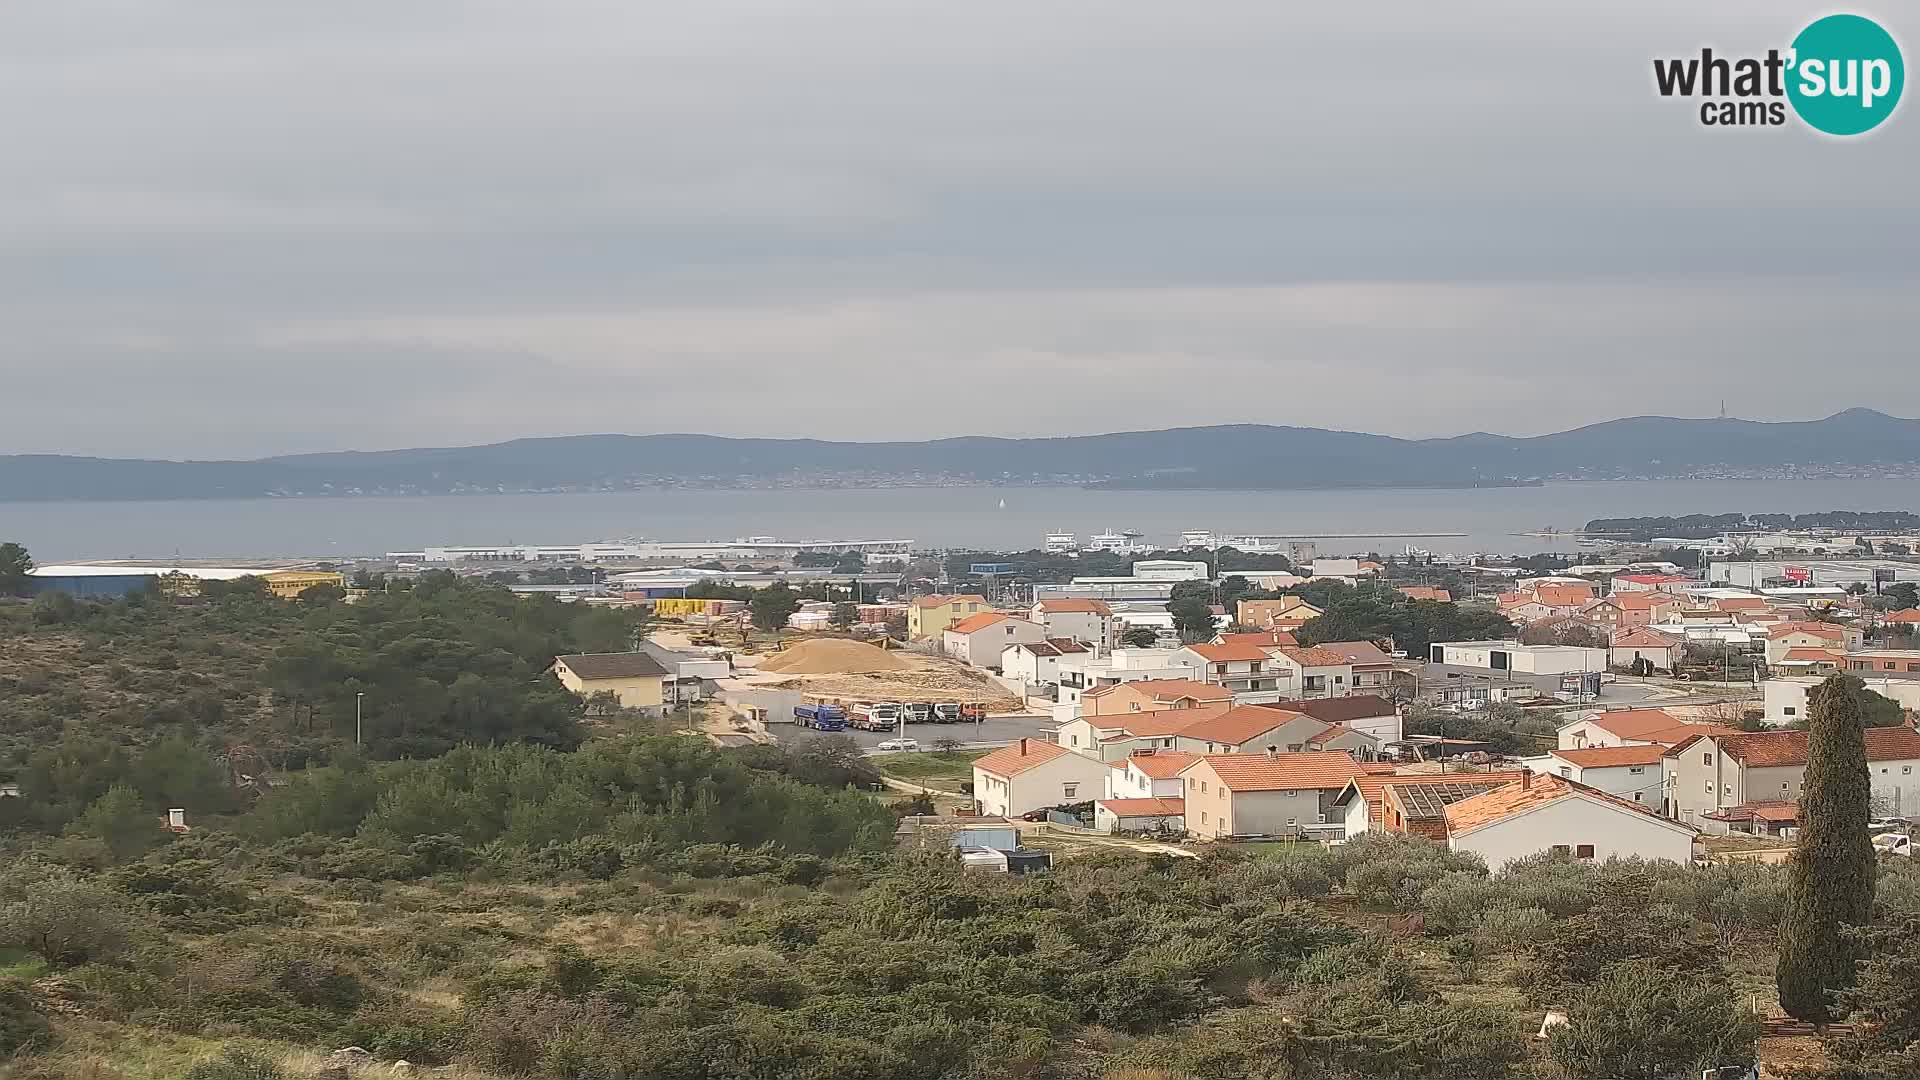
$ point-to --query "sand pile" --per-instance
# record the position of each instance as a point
(832, 656)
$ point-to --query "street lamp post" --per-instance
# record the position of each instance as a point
(358, 698)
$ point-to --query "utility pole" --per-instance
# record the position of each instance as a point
(358, 698)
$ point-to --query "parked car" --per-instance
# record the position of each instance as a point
(1893, 843)
(899, 744)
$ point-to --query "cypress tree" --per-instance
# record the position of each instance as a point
(1830, 877)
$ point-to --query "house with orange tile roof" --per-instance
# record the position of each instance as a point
(1710, 773)
(1030, 774)
(1146, 695)
(1622, 610)
(1253, 729)
(980, 640)
(1146, 774)
(1805, 660)
(1629, 727)
(1088, 621)
(1315, 671)
(1671, 584)
(1633, 644)
(1635, 772)
(1248, 672)
(1537, 814)
(1426, 592)
(1266, 794)
(1281, 613)
(929, 616)
(1371, 714)
(1114, 737)
(1410, 804)
(1372, 669)
(1786, 636)
(1908, 617)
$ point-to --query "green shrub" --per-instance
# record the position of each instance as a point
(23, 1027)
(237, 1065)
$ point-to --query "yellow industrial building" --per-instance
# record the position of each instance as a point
(929, 616)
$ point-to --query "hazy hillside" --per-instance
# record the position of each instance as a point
(1229, 456)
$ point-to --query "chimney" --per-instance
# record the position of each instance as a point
(1526, 778)
(1023, 747)
(1272, 752)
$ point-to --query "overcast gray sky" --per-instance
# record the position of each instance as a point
(235, 228)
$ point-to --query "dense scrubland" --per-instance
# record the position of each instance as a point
(496, 885)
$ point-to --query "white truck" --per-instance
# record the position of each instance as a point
(877, 716)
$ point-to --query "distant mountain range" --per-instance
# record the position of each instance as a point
(1237, 456)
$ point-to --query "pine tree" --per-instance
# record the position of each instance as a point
(1830, 877)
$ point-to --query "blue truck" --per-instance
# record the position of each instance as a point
(821, 717)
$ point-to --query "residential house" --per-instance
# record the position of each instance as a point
(929, 616)
(1651, 583)
(1424, 592)
(1864, 662)
(1145, 774)
(1140, 815)
(1552, 813)
(1082, 674)
(1280, 613)
(1247, 671)
(1037, 663)
(1811, 661)
(1031, 774)
(1088, 621)
(1252, 729)
(1637, 643)
(1410, 804)
(1784, 637)
(691, 676)
(1370, 714)
(981, 640)
(1634, 772)
(1785, 697)
(1711, 773)
(1630, 727)
(1265, 794)
(1314, 671)
(1522, 608)
(1623, 610)
(1149, 694)
(1372, 669)
(1115, 736)
(1905, 618)
(635, 679)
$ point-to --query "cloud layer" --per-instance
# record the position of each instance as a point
(232, 229)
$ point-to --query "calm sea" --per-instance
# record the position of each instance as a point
(1490, 518)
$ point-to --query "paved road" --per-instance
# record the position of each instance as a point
(996, 731)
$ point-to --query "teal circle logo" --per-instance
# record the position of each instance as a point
(1845, 76)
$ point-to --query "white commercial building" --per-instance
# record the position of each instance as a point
(1169, 570)
(1522, 659)
(1786, 696)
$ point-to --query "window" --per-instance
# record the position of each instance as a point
(1706, 759)
(1709, 787)
(1906, 770)
(1726, 789)
(1566, 771)
(1067, 791)
(1203, 817)
(1789, 710)
(1636, 796)
(1890, 666)
(1076, 740)
(1203, 787)
(1584, 851)
(1636, 770)
(1784, 784)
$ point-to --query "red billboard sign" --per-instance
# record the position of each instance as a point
(1798, 573)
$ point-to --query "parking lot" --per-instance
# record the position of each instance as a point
(994, 731)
